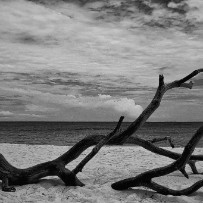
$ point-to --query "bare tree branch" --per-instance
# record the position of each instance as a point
(162, 88)
(160, 139)
(11, 175)
(145, 179)
(96, 149)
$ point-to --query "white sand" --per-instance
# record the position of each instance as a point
(110, 164)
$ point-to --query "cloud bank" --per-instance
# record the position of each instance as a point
(5, 113)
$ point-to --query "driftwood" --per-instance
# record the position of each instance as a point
(145, 179)
(96, 149)
(11, 175)
(161, 139)
(155, 103)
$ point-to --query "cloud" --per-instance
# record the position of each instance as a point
(19, 115)
(104, 96)
(5, 113)
(198, 82)
(123, 106)
(47, 102)
(30, 115)
(33, 107)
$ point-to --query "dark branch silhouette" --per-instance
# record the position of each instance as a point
(11, 175)
(96, 149)
(145, 179)
(161, 139)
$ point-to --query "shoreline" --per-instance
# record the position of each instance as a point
(111, 164)
(69, 146)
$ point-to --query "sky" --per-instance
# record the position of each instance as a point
(64, 62)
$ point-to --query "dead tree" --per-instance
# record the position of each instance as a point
(11, 175)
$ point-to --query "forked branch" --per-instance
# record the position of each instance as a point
(162, 88)
(96, 149)
(11, 175)
(145, 179)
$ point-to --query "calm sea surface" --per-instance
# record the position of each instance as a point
(68, 133)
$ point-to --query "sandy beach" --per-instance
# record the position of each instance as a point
(111, 164)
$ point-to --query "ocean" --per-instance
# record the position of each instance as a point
(68, 133)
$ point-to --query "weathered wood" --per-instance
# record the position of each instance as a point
(96, 149)
(11, 175)
(145, 179)
(154, 104)
(160, 151)
(161, 139)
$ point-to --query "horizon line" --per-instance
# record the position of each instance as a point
(104, 121)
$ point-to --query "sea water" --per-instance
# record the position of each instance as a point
(68, 133)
